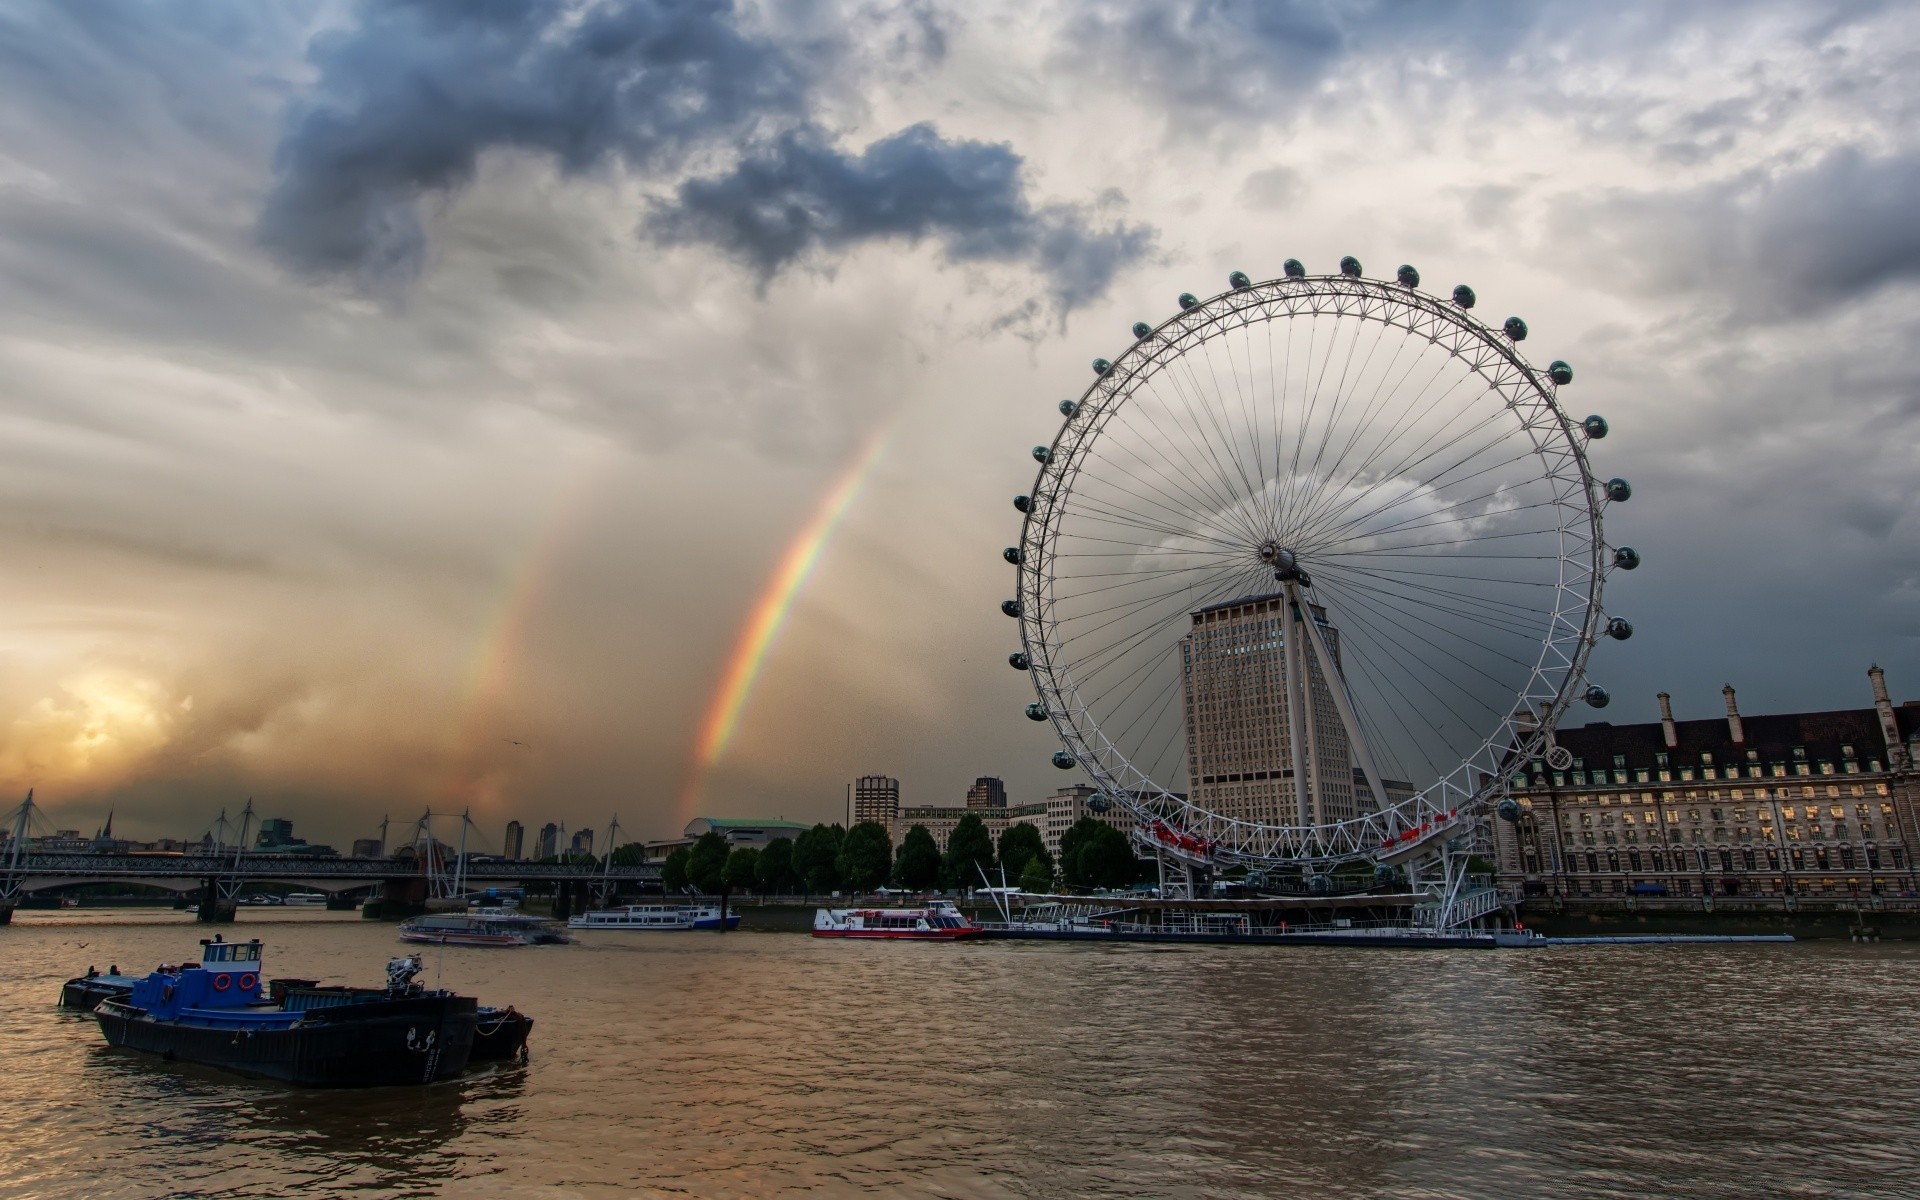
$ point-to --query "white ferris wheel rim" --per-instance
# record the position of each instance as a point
(1195, 833)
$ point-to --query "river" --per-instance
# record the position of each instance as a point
(766, 1064)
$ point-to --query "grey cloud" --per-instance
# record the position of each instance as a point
(1778, 245)
(1273, 188)
(409, 98)
(802, 195)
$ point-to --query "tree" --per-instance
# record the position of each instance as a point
(773, 871)
(707, 865)
(742, 868)
(917, 866)
(969, 852)
(814, 853)
(673, 872)
(866, 857)
(1038, 877)
(630, 855)
(1019, 845)
(1093, 854)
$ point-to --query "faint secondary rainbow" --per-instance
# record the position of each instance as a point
(770, 612)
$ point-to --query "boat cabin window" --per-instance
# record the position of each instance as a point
(234, 952)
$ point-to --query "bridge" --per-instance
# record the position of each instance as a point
(220, 878)
(219, 873)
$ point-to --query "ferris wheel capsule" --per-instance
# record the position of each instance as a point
(1063, 760)
(1238, 281)
(1043, 455)
(1068, 408)
(1036, 712)
(1408, 276)
(1464, 297)
(1101, 366)
(1023, 502)
(1141, 329)
(1013, 555)
(1619, 490)
(1626, 558)
(1508, 810)
(1598, 697)
(1560, 373)
(1515, 329)
(1293, 268)
(1010, 607)
(1595, 425)
(1350, 266)
(1188, 300)
(1619, 629)
(1019, 661)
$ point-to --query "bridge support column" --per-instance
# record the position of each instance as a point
(398, 899)
(6, 914)
(562, 900)
(213, 909)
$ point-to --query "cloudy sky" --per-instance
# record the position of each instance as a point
(409, 404)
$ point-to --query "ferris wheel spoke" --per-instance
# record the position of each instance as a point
(1101, 657)
(1378, 402)
(1168, 520)
(1352, 610)
(1135, 579)
(1255, 498)
(1423, 487)
(1168, 478)
(1410, 417)
(1465, 541)
(1132, 607)
(1214, 482)
(1432, 487)
(1502, 623)
(1376, 607)
(1093, 515)
(1243, 497)
(1340, 398)
(1368, 574)
(1411, 523)
(1291, 501)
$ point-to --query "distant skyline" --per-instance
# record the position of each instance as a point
(576, 408)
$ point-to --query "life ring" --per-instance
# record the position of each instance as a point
(222, 982)
(247, 981)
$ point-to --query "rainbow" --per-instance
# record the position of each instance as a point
(769, 615)
(502, 643)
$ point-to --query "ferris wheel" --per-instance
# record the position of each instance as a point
(1311, 570)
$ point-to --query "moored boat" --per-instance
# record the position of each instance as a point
(86, 991)
(656, 916)
(216, 1013)
(483, 927)
(939, 921)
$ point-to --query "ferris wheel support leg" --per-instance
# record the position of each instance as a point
(1337, 687)
(1298, 697)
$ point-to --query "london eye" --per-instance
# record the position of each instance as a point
(1310, 569)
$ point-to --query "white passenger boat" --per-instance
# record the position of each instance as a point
(655, 916)
(939, 921)
(482, 927)
(297, 899)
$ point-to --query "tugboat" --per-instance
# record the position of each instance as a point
(656, 916)
(84, 992)
(939, 921)
(215, 1012)
(499, 1034)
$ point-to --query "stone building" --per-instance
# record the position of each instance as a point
(875, 798)
(1235, 664)
(1786, 804)
(987, 792)
(940, 820)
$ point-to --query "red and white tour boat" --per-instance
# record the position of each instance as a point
(939, 921)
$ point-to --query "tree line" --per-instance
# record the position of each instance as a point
(830, 858)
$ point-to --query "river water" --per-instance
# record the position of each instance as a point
(771, 1064)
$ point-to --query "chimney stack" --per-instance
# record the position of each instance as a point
(1889, 729)
(1735, 730)
(1666, 721)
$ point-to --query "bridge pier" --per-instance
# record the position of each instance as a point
(6, 914)
(214, 910)
(562, 900)
(398, 899)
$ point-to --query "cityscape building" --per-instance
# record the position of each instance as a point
(276, 837)
(548, 843)
(750, 832)
(515, 842)
(368, 848)
(1776, 805)
(876, 798)
(1070, 804)
(987, 792)
(582, 842)
(940, 820)
(1236, 661)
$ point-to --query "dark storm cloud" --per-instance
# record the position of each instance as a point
(410, 98)
(801, 196)
(1778, 244)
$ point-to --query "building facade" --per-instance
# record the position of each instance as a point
(1778, 805)
(940, 821)
(369, 848)
(987, 792)
(1235, 663)
(1069, 805)
(876, 798)
(516, 841)
(582, 842)
(751, 832)
(548, 844)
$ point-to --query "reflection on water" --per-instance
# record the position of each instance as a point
(753, 1065)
